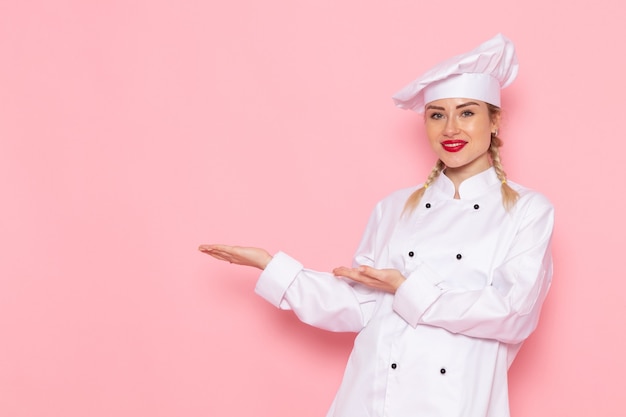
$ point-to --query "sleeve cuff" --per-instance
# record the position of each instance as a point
(277, 277)
(415, 296)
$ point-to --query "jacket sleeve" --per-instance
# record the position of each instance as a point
(508, 309)
(317, 298)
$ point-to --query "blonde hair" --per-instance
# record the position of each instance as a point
(509, 195)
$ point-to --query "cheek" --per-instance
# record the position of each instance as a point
(481, 134)
(484, 141)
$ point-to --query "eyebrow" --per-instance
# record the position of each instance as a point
(460, 106)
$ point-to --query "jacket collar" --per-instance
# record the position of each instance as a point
(472, 187)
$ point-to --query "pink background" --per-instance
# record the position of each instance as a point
(132, 131)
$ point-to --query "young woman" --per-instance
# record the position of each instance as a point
(450, 276)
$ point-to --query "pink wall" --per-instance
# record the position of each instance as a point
(132, 131)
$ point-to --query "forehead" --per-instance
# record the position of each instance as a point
(455, 102)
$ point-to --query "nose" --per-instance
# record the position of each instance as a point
(451, 128)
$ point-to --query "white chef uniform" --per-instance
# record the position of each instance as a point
(442, 345)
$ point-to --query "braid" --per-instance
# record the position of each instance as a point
(509, 195)
(414, 199)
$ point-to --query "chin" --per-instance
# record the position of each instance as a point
(452, 163)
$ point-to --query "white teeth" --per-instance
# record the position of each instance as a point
(453, 145)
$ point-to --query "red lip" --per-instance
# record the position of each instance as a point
(453, 145)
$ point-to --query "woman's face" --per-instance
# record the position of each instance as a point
(459, 131)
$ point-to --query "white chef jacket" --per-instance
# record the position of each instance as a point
(442, 344)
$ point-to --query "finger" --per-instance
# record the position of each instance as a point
(208, 248)
(354, 275)
(343, 271)
(370, 272)
(219, 256)
(213, 246)
(339, 270)
(217, 250)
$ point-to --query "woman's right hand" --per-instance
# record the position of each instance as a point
(240, 255)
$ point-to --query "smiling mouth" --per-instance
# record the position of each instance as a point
(453, 145)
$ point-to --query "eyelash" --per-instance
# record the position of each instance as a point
(465, 113)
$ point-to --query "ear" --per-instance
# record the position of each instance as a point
(495, 122)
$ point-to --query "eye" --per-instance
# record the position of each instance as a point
(467, 113)
(436, 116)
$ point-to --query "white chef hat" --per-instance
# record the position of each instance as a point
(479, 74)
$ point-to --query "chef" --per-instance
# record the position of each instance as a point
(450, 275)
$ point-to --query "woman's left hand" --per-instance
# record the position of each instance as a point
(387, 280)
